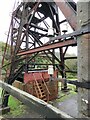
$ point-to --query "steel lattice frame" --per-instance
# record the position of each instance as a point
(29, 26)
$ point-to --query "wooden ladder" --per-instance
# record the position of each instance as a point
(41, 89)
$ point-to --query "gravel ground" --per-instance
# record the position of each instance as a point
(69, 106)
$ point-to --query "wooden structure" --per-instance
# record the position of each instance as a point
(40, 84)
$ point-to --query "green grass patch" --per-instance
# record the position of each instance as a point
(13, 103)
(0, 91)
(0, 95)
(65, 95)
(16, 107)
(62, 96)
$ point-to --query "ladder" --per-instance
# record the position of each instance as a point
(41, 89)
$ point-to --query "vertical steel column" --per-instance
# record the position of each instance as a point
(27, 44)
(83, 19)
(61, 55)
(53, 51)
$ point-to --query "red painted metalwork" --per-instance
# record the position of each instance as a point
(48, 47)
(69, 14)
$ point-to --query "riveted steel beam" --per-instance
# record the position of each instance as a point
(48, 47)
(70, 15)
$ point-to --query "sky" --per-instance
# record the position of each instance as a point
(6, 8)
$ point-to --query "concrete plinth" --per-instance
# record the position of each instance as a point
(83, 20)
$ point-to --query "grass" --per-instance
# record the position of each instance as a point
(0, 91)
(65, 96)
(0, 95)
(16, 107)
(62, 96)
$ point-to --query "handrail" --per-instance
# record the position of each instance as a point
(36, 91)
(45, 84)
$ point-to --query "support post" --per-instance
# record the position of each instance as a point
(83, 41)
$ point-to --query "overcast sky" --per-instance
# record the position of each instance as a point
(6, 8)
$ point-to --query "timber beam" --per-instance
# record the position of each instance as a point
(36, 104)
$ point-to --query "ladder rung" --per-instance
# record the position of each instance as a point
(44, 99)
(40, 84)
(43, 96)
(43, 92)
(41, 87)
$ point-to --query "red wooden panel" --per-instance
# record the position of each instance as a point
(28, 77)
(37, 75)
(45, 75)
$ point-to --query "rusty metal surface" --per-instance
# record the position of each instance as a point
(47, 47)
(26, 28)
(68, 12)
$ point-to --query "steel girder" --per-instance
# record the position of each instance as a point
(29, 25)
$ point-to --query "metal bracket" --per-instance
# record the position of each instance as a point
(82, 31)
(85, 85)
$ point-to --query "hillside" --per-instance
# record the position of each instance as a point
(3, 70)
